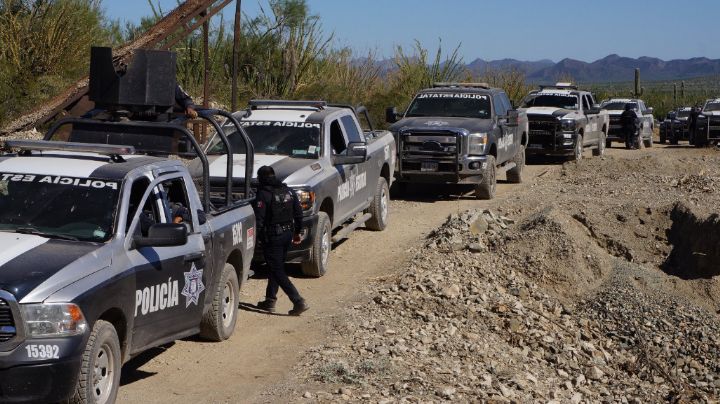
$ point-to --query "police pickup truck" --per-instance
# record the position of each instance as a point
(675, 126)
(564, 121)
(108, 251)
(340, 173)
(460, 133)
(615, 108)
(708, 124)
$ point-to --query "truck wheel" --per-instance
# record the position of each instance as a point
(578, 152)
(649, 141)
(218, 324)
(99, 377)
(700, 139)
(514, 175)
(663, 137)
(486, 189)
(608, 144)
(322, 244)
(599, 151)
(379, 207)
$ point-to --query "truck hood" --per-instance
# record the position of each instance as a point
(471, 124)
(549, 111)
(292, 171)
(27, 261)
(711, 113)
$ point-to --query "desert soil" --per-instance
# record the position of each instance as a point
(590, 281)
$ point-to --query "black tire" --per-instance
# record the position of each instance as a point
(649, 141)
(320, 252)
(380, 206)
(674, 140)
(599, 151)
(608, 144)
(218, 324)
(579, 149)
(701, 138)
(99, 377)
(486, 189)
(514, 175)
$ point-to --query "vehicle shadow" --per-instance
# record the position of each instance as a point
(131, 371)
(431, 193)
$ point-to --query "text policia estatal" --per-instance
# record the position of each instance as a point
(59, 180)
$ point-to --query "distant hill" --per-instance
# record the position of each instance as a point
(614, 68)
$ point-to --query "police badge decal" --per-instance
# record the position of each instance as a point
(193, 286)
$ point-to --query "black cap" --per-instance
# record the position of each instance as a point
(266, 175)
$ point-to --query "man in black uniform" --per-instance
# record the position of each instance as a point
(185, 102)
(278, 218)
(692, 122)
(629, 122)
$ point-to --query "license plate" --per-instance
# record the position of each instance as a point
(428, 166)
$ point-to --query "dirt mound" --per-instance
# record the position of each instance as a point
(695, 237)
(558, 252)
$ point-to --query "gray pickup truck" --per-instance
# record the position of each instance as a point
(460, 133)
(340, 172)
(615, 108)
(107, 251)
(564, 121)
(708, 124)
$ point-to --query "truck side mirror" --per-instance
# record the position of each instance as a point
(592, 110)
(391, 115)
(650, 110)
(355, 153)
(163, 235)
(511, 119)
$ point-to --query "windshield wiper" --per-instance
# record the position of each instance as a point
(36, 232)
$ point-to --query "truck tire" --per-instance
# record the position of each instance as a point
(514, 175)
(218, 323)
(701, 138)
(322, 244)
(608, 144)
(649, 141)
(599, 151)
(663, 137)
(578, 151)
(486, 189)
(99, 376)
(379, 207)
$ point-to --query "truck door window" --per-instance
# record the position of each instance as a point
(351, 128)
(506, 101)
(586, 104)
(500, 109)
(149, 213)
(337, 138)
(176, 202)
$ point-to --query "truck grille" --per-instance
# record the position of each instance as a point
(7, 325)
(541, 126)
(437, 148)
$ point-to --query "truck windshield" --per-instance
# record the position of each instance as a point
(450, 105)
(294, 139)
(618, 106)
(58, 207)
(552, 100)
(683, 113)
(712, 106)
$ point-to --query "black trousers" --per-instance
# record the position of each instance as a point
(275, 251)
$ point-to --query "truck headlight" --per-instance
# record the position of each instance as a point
(306, 198)
(53, 320)
(567, 125)
(477, 143)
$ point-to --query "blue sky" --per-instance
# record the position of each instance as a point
(496, 29)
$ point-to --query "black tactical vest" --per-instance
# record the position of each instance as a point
(281, 206)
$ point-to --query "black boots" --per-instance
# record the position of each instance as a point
(267, 305)
(299, 307)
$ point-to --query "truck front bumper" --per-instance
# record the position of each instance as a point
(468, 170)
(552, 144)
(43, 383)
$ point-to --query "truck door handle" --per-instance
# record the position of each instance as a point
(194, 257)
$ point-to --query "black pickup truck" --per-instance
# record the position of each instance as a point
(460, 133)
(109, 248)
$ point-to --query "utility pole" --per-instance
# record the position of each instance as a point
(236, 56)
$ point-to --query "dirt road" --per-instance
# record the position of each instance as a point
(265, 347)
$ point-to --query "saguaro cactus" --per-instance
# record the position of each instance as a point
(682, 90)
(674, 93)
(638, 90)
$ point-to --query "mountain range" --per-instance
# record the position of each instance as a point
(612, 68)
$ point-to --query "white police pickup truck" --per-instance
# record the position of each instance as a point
(106, 252)
(340, 172)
